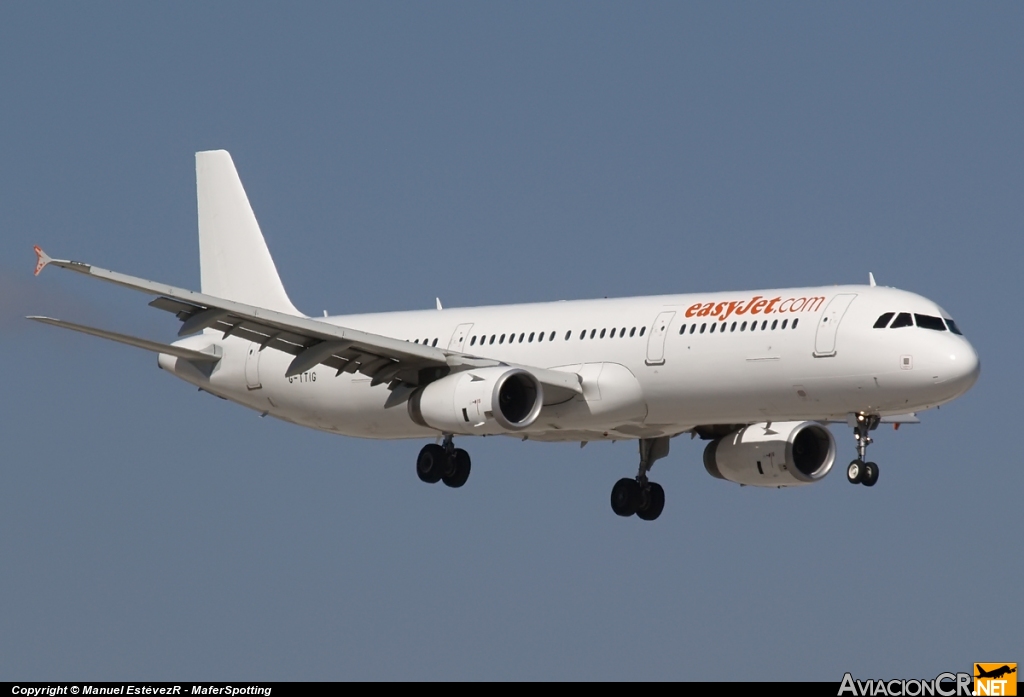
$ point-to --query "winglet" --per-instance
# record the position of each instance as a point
(42, 259)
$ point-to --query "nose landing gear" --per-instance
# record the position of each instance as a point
(639, 496)
(443, 462)
(859, 471)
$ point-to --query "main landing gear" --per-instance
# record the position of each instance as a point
(859, 471)
(443, 463)
(639, 496)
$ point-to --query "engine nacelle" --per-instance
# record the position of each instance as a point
(786, 453)
(480, 401)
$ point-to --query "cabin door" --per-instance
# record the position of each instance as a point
(656, 341)
(458, 340)
(252, 367)
(828, 324)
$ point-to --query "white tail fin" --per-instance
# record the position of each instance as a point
(234, 261)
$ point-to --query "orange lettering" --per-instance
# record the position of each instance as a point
(743, 310)
(728, 311)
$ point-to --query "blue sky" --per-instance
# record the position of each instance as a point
(490, 153)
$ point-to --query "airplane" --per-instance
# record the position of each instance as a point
(996, 673)
(758, 374)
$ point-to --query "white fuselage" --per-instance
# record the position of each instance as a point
(774, 355)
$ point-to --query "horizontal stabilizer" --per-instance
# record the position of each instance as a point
(154, 346)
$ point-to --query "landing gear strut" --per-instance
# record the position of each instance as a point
(639, 496)
(859, 471)
(444, 463)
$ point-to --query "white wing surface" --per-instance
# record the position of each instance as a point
(311, 342)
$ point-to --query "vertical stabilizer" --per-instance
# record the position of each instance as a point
(234, 261)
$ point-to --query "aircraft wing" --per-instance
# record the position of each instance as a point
(311, 342)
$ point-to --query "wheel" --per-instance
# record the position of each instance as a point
(655, 503)
(460, 470)
(626, 497)
(430, 463)
(870, 474)
(855, 472)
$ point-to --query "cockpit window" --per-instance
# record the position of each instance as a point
(883, 321)
(930, 322)
(953, 328)
(903, 319)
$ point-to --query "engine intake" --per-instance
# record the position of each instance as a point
(485, 400)
(787, 453)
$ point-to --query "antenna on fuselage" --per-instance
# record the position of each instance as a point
(439, 303)
(871, 279)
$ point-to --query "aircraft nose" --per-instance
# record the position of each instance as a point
(965, 367)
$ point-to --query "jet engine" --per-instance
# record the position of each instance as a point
(779, 454)
(480, 401)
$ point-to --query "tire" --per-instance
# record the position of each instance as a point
(460, 471)
(625, 497)
(870, 474)
(655, 503)
(430, 463)
(855, 472)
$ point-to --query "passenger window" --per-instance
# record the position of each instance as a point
(743, 327)
(903, 319)
(953, 328)
(592, 333)
(472, 342)
(502, 339)
(712, 328)
(784, 323)
(551, 336)
(611, 334)
(882, 321)
(603, 333)
(632, 332)
(531, 337)
(775, 323)
(417, 341)
(434, 343)
(492, 339)
(568, 335)
(583, 334)
(930, 322)
(733, 327)
(692, 327)
(642, 330)
(764, 325)
(682, 329)
(795, 321)
(703, 327)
